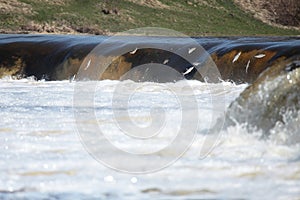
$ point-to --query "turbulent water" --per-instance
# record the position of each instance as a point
(42, 156)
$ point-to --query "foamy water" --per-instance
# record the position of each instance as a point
(42, 155)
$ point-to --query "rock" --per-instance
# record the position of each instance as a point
(106, 11)
(110, 11)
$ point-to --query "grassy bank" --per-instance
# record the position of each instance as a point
(192, 17)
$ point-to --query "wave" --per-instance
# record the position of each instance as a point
(271, 102)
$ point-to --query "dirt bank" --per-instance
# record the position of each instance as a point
(280, 13)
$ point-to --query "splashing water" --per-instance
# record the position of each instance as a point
(42, 155)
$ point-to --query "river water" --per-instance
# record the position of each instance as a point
(43, 157)
(53, 130)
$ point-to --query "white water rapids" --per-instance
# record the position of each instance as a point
(42, 156)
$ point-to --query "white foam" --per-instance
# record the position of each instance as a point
(42, 154)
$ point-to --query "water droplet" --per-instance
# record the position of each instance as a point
(133, 180)
(109, 179)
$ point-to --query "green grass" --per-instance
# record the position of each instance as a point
(217, 18)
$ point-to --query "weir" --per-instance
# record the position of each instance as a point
(59, 57)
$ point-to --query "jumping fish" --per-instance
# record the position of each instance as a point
(247, 66)
(88, 65)
(188, 70)
(260, 56)
(134, 51)
(236, 57)
(191, 50)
